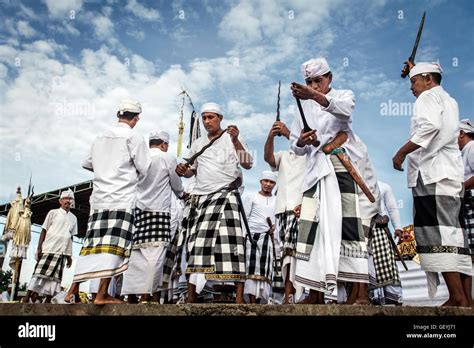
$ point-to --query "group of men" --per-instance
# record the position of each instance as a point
(322, 238)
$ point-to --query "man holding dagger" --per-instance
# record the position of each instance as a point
(215, 242)
(335, 215)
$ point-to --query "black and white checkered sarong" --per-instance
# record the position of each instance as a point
(469, 218)
(260, 258)
(50, 267)
(278, 284)
(171, 264)
(288, 224)
(109, 231)
(151, 228)
(386, 270)
(215, 240)
(437, 218)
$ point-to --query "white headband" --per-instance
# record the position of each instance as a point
(211, 107)
(269, 175)
(425, 68)
(315, 67)
(466, 126)
(130, 106)
(160, 136)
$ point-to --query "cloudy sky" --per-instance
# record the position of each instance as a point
(65, 65)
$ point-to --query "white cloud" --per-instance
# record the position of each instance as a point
(27, 12)
(65, 27)
(428, 53)
(103, 27)
(25, 29)
(136, 34)
(236, 108)
(147, 14)
(16, 29)
(63, 7)
(241, 24)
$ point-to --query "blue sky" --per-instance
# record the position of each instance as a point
(65, 65)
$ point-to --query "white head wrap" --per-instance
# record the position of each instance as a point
(160, 136)
(424, 68)
(315, 67)
(70, 194)
(211, 107)
(466, 126)
(130, 106)
(67, 194)
(269, 175)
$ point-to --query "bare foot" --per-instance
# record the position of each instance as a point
(361, 303)
(100, 301)
(69, 298)
(455, 303)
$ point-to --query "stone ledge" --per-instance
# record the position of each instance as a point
(18, 309)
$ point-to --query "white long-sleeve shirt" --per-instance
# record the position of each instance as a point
(327, 122)
(388, 205)
(156, 186)
(468, 159)
(257, 208)
(60, 226)
(291, 169)
(435, 127)
(117, 157)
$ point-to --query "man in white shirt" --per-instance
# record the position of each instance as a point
(117, 158)
(259, 207)
(291, 170)
(215, 240)
(435, 175)
(54, 250)
(335, 214)
(385, 285)
(466, 145)
(152, 234)
(6, 295)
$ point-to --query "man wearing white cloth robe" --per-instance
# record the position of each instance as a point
(435, 175)
(54, 249)
(291, 169)
(117, 157)
(466, 145)
(152, 233)
(335, 215)
(215, 244)
(259, 255)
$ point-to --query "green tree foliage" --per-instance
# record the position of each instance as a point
(5, 279)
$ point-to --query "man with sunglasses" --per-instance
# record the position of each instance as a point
(335, 215)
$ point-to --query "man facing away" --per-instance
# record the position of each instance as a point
(117, 158)
(152, 235)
